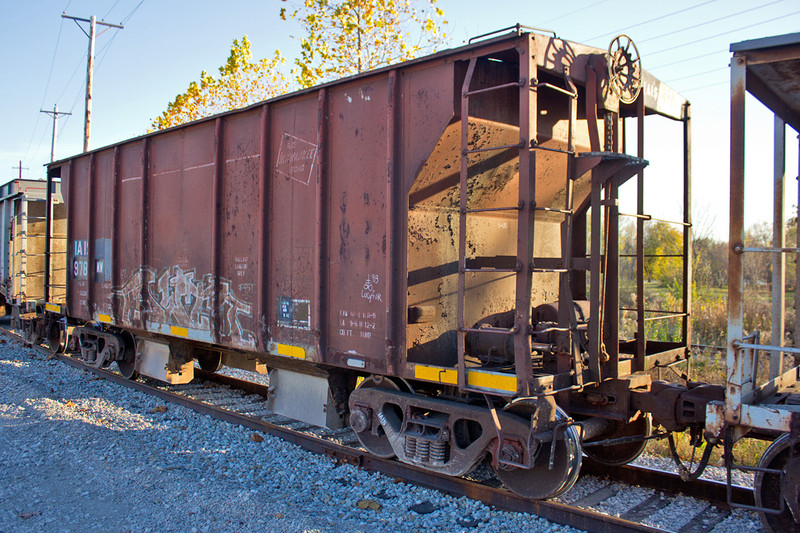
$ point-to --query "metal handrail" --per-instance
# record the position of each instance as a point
(515, 27)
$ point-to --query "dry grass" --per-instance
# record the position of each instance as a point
(746, 451)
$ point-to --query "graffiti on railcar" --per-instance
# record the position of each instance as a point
(177, 298)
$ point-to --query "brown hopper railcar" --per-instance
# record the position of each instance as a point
(427, 252)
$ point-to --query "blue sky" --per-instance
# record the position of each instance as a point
(166, 43)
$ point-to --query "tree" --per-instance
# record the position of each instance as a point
(241, 82)
(662, 239)
(345, 37)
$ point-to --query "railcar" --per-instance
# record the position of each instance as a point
(31, 223)
(428, 252)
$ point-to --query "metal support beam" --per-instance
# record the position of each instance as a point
(734, 364)
(778, 241)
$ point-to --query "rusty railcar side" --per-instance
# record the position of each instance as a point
(288, 228)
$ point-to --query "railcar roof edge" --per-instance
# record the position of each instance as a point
(438, 55)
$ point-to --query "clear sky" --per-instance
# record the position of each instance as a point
(166, 43)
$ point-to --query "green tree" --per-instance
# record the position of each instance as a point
(241, 82)
(660, 240)
(345, 37)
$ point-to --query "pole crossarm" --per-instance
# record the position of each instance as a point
(120, 26)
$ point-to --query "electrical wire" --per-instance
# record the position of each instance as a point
(46, 88)
(627, 28)
(704, 86)
(722, 51)
(544, 23)
(707, 22)
(747, 27)
(110, 10)
(78, 66)
(695, 75)
(126, 19)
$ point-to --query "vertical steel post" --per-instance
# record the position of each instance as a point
(69, 197)
(528, 111)
(48, 229)
(797, 262)
(393, 236)
(735, 363)
(91, 266)
(263, 233)
(686, 333)
(595, 329)
(462, 224)
(641, 340)
(778, 242)
(320, 231)
(113, 262)
(216, 225)
(144, 243)
(610, 272)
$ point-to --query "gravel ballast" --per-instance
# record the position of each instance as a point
(79, 453)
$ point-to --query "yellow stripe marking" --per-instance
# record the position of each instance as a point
(103, 318)
(437, 374)
(291, 351)
(179, 331)
(475, 378)
(485, 380)
(53, 308)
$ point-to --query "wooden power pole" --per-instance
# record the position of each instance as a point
(87, 122)
(54, 113)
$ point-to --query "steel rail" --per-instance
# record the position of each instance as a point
(496, 497)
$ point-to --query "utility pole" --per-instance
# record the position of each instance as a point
(21, 168)
(87, 122)
(54, 113)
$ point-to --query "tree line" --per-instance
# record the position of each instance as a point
(339, 38)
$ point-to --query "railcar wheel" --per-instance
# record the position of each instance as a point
(374, 439)
(541, 481)
(57, 338)
(127, 366)
(209, 361)
(781, 455)
(624, 453)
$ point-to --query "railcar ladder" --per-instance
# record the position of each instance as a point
(526, 264)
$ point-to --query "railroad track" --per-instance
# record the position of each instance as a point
(241, 402)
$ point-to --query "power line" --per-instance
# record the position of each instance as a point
(704, 86)
(697, 74)
(102, 53)
(126, 19)
(708, 22)
(110, 10)
(572, 12)
(72, 77)
(46, 87)
(747, 27)
(626, 28)
(724, 50)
